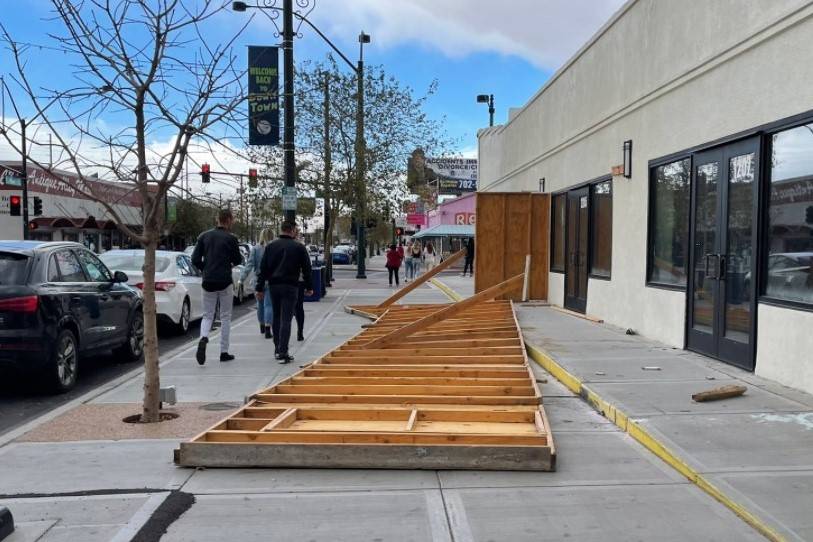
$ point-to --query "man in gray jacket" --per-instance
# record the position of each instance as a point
(216, 252)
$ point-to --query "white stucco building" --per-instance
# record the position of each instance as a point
(708, 244)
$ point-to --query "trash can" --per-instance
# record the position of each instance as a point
(316, 278)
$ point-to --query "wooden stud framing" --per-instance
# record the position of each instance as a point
(444, 395)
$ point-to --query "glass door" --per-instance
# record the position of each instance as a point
(576, 250)
(721, 289)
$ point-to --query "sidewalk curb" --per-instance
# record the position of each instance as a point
(172, 355)
(636, 431)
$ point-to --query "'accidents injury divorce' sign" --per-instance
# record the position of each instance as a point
(263, 96)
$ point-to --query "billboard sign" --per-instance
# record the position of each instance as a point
(263, 95)
(454, 175)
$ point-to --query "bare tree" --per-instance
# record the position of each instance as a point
(147, 65)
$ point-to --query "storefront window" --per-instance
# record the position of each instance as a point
(668, 222)
(601, 246)
(789, 267)
(558, 233)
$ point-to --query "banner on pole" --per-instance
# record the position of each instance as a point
(263, 95)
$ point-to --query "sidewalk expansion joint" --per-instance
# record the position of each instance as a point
(637, 432)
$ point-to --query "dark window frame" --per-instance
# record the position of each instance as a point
(766, 133)
(553, 232)
(591, 223)
(650, 220)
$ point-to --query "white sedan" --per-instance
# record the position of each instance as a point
(177, 283)
(243, 288)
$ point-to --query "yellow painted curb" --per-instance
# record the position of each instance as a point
(451, 294)
(646, 439)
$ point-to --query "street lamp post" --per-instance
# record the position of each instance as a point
(487, 99)
(288, 15)
(361, 253)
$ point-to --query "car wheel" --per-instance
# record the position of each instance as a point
(64, 364)
(133, 347)
(183, 323)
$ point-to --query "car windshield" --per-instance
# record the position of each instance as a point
(13, 268)
(133, 262)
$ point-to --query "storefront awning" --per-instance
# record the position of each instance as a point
(446, 230)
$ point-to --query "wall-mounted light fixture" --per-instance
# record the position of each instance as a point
(628, 158)
(542, 184)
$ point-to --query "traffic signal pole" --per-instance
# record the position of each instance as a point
(24, 172)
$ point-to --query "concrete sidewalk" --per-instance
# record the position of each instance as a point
(757, 450)
(63, 481)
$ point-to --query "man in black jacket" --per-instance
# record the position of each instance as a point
(216, 252)
(284, 261)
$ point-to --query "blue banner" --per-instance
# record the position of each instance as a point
(263, 95)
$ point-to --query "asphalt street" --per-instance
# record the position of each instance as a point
(22, 399)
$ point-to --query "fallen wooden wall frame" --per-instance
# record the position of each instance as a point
(459, 394)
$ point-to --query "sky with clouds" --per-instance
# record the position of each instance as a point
(507, 48)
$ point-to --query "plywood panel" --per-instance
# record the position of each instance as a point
(509, 225)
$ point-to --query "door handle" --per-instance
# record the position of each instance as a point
(721, 268)
(712, 271)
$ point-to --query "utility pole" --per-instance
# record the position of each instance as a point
(24, 171)
(288, 100)
(328, 163)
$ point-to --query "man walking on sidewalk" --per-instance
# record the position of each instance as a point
(216, 252)
(284, 262)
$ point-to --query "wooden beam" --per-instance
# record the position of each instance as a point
(450, 311)
(422, 279)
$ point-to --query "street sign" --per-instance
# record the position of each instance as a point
(263, 95)
(289, 198)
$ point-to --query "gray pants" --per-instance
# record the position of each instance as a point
(210, 301)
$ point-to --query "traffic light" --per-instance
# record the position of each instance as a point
(14, 202)
(32, 225)
(37, 206)
(252, 178)
(399, 231)
(204, 173)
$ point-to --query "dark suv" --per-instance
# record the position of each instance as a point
(57, 301)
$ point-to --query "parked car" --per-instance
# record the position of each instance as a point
(341, 255)
(177, 283)
(242, 288)
(58, 303)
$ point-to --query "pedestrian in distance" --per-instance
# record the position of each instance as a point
(265, 312)
(408, 262)
(416, 257)
(216, 252)
(393, 263)
(284, 262)
(429, 255)
(469, 257)
(299, 310)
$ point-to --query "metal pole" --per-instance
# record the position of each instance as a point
(361, 218)
(328, 159)
(288, 66)
(491, 110)
(24, 172)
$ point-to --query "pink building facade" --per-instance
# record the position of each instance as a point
(459, 211)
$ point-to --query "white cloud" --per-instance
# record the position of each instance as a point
(544, 32)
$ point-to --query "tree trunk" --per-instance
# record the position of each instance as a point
(152, 383)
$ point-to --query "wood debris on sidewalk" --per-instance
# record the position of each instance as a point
(723, 392)
(424, 387)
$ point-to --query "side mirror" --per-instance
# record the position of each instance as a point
(120, 276)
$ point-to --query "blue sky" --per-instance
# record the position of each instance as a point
(508, 49)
